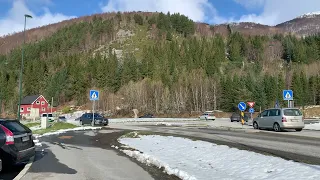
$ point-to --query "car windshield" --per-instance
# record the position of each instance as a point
(292, 112)
(97, 115)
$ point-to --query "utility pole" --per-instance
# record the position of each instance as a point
(289, 51)
(21, 68)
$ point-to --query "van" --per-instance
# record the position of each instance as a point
(48, 115)
(279, 119)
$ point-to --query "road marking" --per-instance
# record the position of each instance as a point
(25, 169)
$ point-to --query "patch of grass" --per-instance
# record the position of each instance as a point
(32, 124)
(55, 127)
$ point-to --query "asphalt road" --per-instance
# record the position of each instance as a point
(77, 155)
(11, 173)
(285, 145)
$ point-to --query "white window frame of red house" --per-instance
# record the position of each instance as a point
(43, 109)
(29, 109)
(21, 109)
(42, 102)
(39, 101)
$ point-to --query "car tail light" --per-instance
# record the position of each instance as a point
(284, 119)
(9, 135)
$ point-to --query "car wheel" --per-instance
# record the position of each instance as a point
(231, 121)
(255, 125)
(276, 127)
(300, 129)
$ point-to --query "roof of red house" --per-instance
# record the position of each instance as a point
(29, 99)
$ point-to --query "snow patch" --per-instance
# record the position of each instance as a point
(37, 143)
(313, 126)
(149, 160)
(34, 128)
(310, 15)
(66, 130)
(165, 124)
(124, 120)
(189, 159)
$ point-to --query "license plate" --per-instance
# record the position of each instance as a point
(294, 120)
(26, 138)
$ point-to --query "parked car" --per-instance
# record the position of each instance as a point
(87, 118)
(148, 115)
(19, 146)
(208, 115)
(237, 117)
(62, 118)
(2, 143)
(279, 119)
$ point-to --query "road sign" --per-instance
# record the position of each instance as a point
(251, 104)
(251, 110)
(242, 106)
(94, 95)
(277, 104)
(287, 95)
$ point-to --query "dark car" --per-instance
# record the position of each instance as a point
(62, 118)
(19, 146)
(237, 117)
(87, 118)
(147, 116)
(2, 143)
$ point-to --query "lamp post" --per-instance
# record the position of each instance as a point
(21, 68)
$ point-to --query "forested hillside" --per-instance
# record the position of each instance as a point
(161, 64)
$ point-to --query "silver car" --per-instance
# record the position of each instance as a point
(279, 119)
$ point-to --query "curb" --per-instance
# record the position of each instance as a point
(25, 169)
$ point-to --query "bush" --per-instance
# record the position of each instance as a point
(66, 110)
(138, 19)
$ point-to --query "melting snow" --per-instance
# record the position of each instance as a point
(66, 130)
(314, 126)
(35, 128)
(37, 143)
(189, 159)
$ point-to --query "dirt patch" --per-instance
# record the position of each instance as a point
(112, 140)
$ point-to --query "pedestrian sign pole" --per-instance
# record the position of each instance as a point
(288, 96)
(251, 110)
(94, 96)
(242, 107)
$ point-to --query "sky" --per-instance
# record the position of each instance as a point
(269, 12)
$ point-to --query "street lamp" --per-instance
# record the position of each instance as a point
(21, 68)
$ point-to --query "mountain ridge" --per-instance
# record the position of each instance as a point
(301, 26)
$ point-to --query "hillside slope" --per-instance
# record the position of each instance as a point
(160, 63)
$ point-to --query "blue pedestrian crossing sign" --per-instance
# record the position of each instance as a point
(251, 110)
(242, 106)
(94, 95)
(287, 95)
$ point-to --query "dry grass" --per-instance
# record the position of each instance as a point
(311, 112)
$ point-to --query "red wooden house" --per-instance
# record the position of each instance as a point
(34, 106)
